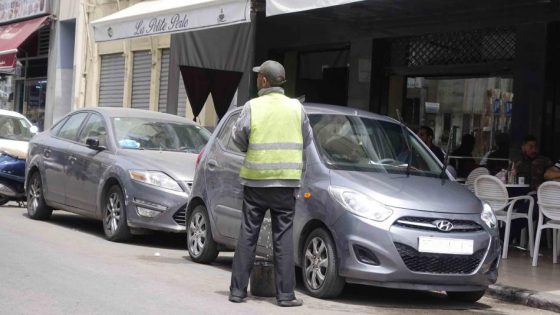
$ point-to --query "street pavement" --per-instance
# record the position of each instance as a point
(65, 266)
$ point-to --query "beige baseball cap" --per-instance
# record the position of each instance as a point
(273, 71)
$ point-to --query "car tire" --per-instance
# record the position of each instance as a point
(469, 296)
(320, 267)
(4, 200)
(37, 208)
(114, 216)
(200, 244)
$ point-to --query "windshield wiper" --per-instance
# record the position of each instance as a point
(447, 153)
(406, 141)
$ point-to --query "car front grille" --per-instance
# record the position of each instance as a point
(439, 263)
(179, 217)
(428, 224)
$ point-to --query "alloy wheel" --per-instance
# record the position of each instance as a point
(113, 212)
(34, 194)
(197, 234)
(316, 263)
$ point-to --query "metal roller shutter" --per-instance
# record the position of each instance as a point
(111, 81)
(141, 74)
(182, 99)
(163, 80)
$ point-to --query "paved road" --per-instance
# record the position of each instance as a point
(65, 266)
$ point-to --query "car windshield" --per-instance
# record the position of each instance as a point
(362, 144)
(150, 134)
(15, 128)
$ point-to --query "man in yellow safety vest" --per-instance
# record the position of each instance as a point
(274, 131)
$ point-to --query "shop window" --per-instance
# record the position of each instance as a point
(480, 107)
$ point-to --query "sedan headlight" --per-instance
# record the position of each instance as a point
(360, 204)
(155, 178)
(488, 216)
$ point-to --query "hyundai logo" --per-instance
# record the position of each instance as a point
(443, 225)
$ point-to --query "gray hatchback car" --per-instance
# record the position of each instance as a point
(130, 168)
(376, 207)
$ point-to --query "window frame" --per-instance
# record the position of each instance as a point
(84, 125)
(226, 146)
(79, 130)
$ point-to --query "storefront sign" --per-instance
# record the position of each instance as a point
(19, 9)
(432, 108)
(412, 83)
(135, 22)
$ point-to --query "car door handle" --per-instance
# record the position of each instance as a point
(47, 153)
(71, 159)
(212, 164)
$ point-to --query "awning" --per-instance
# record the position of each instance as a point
(12, 36)
(170, 16)
(275, 7)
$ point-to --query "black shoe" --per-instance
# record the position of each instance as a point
(235, 299)
(290, 303)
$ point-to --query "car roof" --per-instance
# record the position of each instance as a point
(112, 112)
(327, 109)
(4, 112)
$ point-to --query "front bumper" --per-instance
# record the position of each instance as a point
(397, 262)
(169, 205)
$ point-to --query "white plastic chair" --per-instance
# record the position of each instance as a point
(492, 191)
(548, 196)
(473, 175)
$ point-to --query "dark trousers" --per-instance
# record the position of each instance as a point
(256, 201)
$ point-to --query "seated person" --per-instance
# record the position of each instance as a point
(464, 164)
(426, 134)
(532, 166)
(553, 172)
(497, 159)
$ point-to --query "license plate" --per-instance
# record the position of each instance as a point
(445, 246)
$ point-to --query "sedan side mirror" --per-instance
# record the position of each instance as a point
(34, 129)
(93, 143)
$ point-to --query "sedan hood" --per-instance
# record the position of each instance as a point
(179, 165)
(410, 192)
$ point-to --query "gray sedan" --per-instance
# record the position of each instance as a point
(132, 169)
(375, 207)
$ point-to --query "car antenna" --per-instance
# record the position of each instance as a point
(406, 141)
(446, 158)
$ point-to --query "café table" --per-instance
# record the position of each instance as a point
(515, 190)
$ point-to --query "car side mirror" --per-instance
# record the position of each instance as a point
(93, 143)
(34, 129)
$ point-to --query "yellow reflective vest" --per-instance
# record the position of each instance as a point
(275, 142)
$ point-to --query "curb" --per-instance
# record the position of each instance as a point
(535, 299)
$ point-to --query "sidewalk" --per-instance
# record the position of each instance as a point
(519, 282)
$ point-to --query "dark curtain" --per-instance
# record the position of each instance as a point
(228, 48)
(224, 85)
(199, 83)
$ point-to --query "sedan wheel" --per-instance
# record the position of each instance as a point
(200, 244)
(114, 216)
(37, 208)
(4, 200)
(319, 266)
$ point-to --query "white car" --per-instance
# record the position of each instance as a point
(15, 132)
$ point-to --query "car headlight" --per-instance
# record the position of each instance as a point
(360, 204)
(488, 216)
(155, 178)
